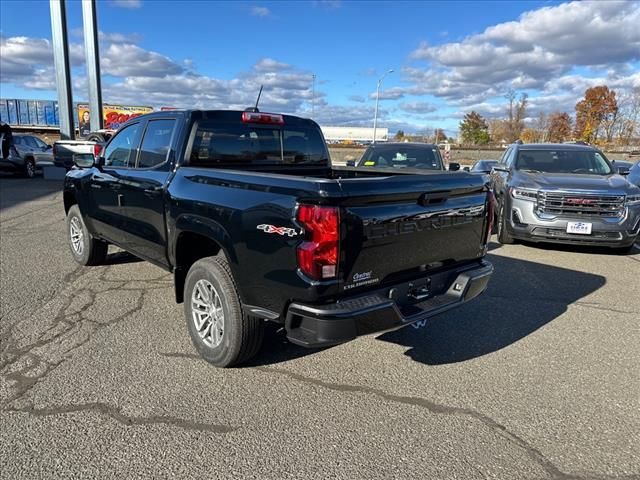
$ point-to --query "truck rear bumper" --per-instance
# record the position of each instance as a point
(385, 309)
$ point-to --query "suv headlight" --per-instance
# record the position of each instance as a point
(633, 200)
(524, 193)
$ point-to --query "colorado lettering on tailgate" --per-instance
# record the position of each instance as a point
(428, 221)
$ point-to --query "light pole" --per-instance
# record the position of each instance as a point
(313, 95)
(375, 115)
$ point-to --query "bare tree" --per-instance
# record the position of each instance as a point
(516, 112)
(628, 124)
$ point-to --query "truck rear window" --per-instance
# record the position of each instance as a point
(229, 145)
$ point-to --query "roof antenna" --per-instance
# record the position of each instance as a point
(255, 109)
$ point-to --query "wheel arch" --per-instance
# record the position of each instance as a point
(194, 240)
(69, 199)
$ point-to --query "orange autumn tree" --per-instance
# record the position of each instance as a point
(559, 127)
(598, 105)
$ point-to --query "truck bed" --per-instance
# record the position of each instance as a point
(394, 224)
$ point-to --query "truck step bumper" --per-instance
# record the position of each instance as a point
(385, 309)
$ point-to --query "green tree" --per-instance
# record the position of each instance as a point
(474, 129)
(399, 135)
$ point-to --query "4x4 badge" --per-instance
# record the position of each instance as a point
(292, 232)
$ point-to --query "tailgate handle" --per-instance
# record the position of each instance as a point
(432, 198)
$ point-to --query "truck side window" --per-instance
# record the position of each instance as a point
(156, 143)
(122, 148)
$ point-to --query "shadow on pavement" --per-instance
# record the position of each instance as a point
(15, 190)
(277, 349)
(563, 247)
(121, 258)
(522, 297)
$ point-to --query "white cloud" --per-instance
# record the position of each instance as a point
(260, 11)
(419, 108)
(393, 93)
(270, 65)
(542, 45)
(357, 98)
(131, 4)
(126, 59)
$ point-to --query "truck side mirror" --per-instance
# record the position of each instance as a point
(454, 166)
(84, 160)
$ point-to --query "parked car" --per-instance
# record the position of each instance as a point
(564, 193)
(247, 212)
(421, 156)
(483, 166)
(621, 166)
(27, 156)
(634, 174)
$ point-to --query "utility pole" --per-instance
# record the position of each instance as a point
(63, 70)
(90, 23)
(375, 115)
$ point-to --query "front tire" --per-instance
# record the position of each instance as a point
(223, 335)
(29, 168)
(85, 248)
(503, 235)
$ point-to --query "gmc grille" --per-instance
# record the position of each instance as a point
(580, 204)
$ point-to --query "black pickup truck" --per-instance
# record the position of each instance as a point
(247, 212)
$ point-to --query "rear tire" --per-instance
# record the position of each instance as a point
(85, 248)
(220, 331)
(503, 235)
(96, 137)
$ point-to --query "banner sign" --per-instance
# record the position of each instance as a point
(113, 116)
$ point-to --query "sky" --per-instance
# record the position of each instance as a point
(448, 58)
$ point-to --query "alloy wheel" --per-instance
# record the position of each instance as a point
(76, 235)
(207, 313)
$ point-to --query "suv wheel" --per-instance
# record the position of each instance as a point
(503, 235)
(219, 330)
(29, 168)
(86, 249)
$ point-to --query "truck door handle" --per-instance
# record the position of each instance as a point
(152, 192)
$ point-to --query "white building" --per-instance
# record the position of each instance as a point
(354, 134)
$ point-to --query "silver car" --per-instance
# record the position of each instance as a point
(27, 155)
(564, 194)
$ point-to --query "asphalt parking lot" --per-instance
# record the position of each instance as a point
(539, 378)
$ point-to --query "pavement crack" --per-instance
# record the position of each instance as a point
(532, 452)
(597, 306)
(118, 416)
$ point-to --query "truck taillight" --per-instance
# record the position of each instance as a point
(97, 150)
(318, 254)
(257, 117)
(491, 209)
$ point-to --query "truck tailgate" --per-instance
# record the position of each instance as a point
(410, 225)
